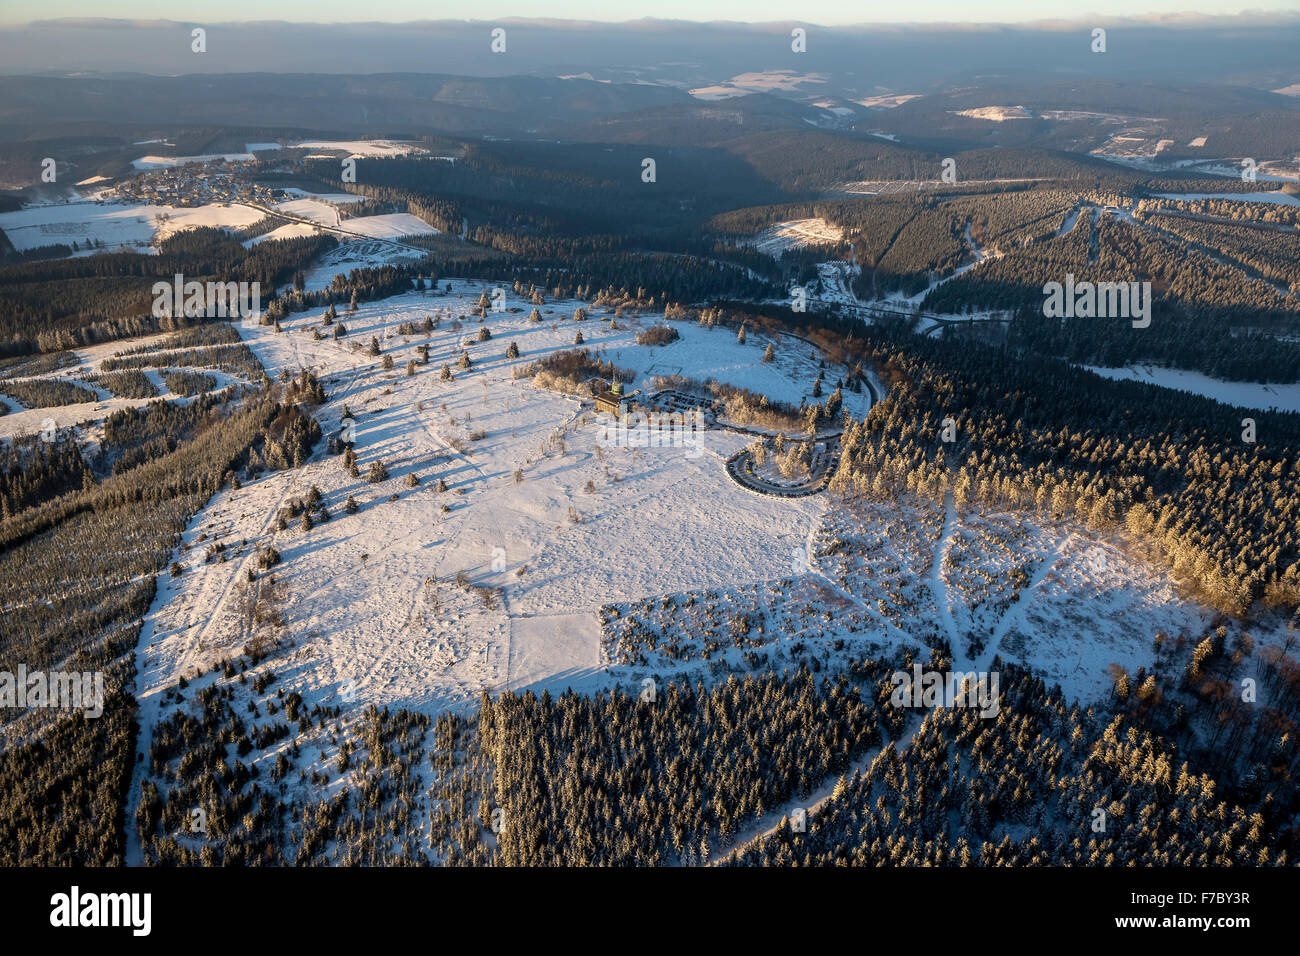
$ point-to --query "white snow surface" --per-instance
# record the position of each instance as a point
(659, 520)
(390, 226)
(363, 147)
(1285, 398)
(795, 234)
(372, 599)
(116, 225)
(166, 162)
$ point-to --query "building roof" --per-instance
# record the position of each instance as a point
(607, 398)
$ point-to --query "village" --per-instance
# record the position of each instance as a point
(196, 184)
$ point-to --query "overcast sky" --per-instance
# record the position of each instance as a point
(826, 12)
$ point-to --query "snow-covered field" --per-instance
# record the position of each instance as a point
(996, 114)
(796, 234)
(334, 198)
(373, 596)
(426, 597)
(764, 82)
(1285, 398)
(115, 225)
(317, 210)
(290, 230)
(88, 417)
(167, 162)
(136, 226)
(390, 226)
(1065, 601)
(887, 100)
(352, 254)
(363, 147)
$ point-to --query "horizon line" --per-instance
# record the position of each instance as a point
(1184, 19)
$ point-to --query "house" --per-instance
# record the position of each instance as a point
(612, 399)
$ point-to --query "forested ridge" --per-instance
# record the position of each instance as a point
(65, 303)
(692, 775)
(1036, 432)
(1183, 769)
(1045, 783)
(79, 558)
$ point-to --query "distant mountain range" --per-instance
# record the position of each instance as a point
(855, 62)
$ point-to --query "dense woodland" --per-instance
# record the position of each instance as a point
(57, 304)
(1170, 771)
(78, 562)
(1045, 783)
(1185, 771)
(1225, 298)
(1174, 469)
(548, 244)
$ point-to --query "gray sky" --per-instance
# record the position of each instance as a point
(827, 12)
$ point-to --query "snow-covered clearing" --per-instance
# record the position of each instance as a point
(315, 209)
(553, 560)
(88, 417)
(1063, 600)
(372, 597)
(352, 254)
(425, 598)
(996, 114)
(767, 81)
(1285, 398)
(796, 234)
(887, 100)
(167, 162)
(290, 230)
(115, 225)
(334, 198)
(363, 147)
(390, 226)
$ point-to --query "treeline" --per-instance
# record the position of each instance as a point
(1261, 250)
(1225, 290)
(1178, 337)
(128, 383)
(1038, 433)
(1044, 783)
(580, 188)
(1238, 210)
(77, 575)
(1209, 293)
(46, 392)
(68, 303)
(32, 470)
(676, 774)
(619, 780)
(904, 242)
(236, 359)
(186, 383)
(359, 285)
(547, 247)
